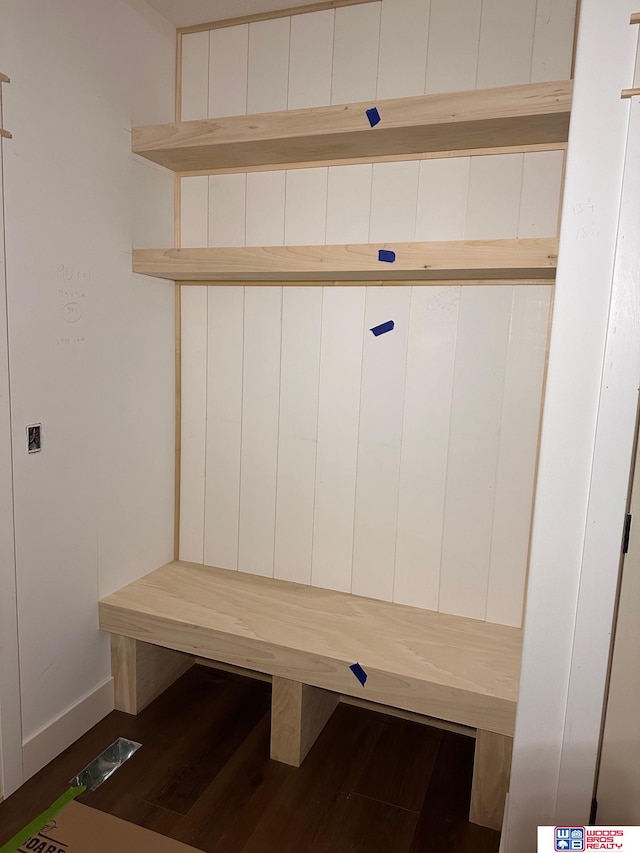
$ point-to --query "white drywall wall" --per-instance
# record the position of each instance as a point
(91, 345)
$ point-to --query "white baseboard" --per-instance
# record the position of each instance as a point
(60, 733)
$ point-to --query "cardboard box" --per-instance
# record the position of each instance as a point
(79, 829)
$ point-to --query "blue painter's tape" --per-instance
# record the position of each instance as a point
(383, 327)
(374, 116)
(386, 255)
(359, 673)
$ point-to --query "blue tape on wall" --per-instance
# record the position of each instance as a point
(359, 673)
(383, 327)
(374, 116)
(386, 255)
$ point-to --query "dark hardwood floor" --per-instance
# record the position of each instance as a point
(371, 783)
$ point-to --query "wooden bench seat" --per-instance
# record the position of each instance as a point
(447, 667)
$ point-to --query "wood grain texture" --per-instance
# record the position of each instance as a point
(321, 6)
(4, 78)
(298, 715)
(458, 259)
(206, 754)
(487, 118)
(635, 18)
(5, 134)
(388, 158)
(491, 772)
(141, 672)
(629, 93)
(457, 669)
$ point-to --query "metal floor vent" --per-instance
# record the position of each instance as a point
(105, 764)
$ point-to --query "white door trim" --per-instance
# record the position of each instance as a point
(586, 446)
(11, 775)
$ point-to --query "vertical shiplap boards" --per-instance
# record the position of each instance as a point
(398, 466)
(331, 456)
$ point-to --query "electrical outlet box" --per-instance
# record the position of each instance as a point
(34, 438)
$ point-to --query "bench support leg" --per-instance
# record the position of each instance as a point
(491, 772)
(141, 672)
(298, 715)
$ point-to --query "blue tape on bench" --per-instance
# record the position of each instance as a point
(386, 255)
(383, 327)
(374, 116)
(359, 673)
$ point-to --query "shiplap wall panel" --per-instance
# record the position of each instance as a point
(394, 48)
(452, 54)
(305, 220)
(310, 59)
(299, 381)
(227, 210)
(379, 442)
(268, 65)
(431, 352)
(349, 203)
(260, 407)
(394, 199)
(493, 202)
(194, 102)
(517, 454)
(506, 42)
(194, 422)
(337, 449)
(402, 63)
(224, 423)
(443, 187)
(553, 40)
(265, 208)
(355, 53)
(540, 197)
(474, 441)
(194, 222)
(228, 68)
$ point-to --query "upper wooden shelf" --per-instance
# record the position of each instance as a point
(463, 260)
(466, 122)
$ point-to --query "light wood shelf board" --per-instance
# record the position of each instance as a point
(368, 282)
(511, 116)
(434, 722)
(269, 16)
(635, 18)
(629, 93)
(4, 78)
(474, 260)
(457, 669)
(5, 134)
(389, 158)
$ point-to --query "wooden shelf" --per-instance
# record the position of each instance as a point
(520, 117)
(635, 18)
(460, 260)
(630, 93)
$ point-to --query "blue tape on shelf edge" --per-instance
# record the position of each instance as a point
(359, 673)
(386, 255)
(383, 327)
(374, 116)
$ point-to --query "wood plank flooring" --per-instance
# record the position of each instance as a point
(371, 783)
